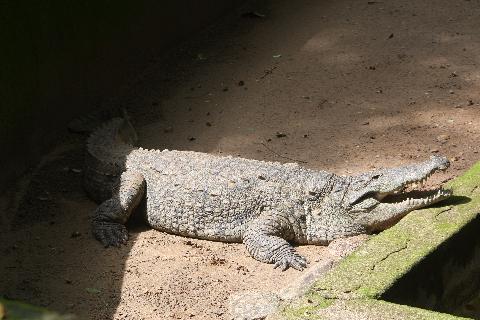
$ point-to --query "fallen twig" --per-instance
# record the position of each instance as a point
(281, 156)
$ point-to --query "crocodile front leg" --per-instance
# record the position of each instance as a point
(265, 239)
(111, 216)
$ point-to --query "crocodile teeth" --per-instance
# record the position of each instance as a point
(427, 199)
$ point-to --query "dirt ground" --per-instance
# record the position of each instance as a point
(344, 86)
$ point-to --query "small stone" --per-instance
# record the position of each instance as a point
(390, 36)
(168, 129)
(451, 91)
(366, 123)
(253, 304)
(268, 140)
(434, 150)
(470, 102)
(280, 135)
(305, 135)
(443, 138)
(225, 89)
(75, 170)
(191, 138)
(208, 124)
(241, 83)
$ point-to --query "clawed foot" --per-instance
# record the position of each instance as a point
(110, 233)
(291, 259)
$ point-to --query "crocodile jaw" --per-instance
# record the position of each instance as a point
(392, 208)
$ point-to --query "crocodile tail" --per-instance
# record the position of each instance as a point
(91, 121)
(107, 149)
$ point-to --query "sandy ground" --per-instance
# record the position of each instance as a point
(350, 85)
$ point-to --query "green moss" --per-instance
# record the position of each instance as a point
(445, 227)
(14, 310)
(303, 312)
(307, 307)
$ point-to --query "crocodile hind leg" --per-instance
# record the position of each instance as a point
(265, 239)
(112, 214)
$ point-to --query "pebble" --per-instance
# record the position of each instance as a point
(252, 305)
(443, 138)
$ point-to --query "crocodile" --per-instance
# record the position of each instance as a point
(268, 206)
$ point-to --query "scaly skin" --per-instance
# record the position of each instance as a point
(265, 205)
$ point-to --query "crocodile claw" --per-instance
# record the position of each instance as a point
(110, 233)
(293, 260)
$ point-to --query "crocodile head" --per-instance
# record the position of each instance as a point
(374, 201)
(380, 198)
